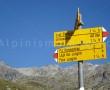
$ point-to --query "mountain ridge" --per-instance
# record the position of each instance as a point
(54, 77)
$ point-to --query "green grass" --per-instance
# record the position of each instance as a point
(8, 85)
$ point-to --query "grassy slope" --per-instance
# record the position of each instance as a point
(7, 85)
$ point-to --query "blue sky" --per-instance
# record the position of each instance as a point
(27, 27)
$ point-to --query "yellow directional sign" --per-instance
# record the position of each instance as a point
(80, 36)
(82, 52)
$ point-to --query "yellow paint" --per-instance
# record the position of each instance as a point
(82, 52)
(80, 36)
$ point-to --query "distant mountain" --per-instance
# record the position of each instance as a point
(8, 73)
(54, 77)
(54, 70)
(45, 71)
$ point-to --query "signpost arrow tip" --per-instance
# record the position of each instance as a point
(56, 55)
(104, 34)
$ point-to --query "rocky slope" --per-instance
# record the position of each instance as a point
(54, 77)
(8, 73)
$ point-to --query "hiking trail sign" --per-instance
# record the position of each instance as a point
(80, 36)
(81, 52)
(80, 45)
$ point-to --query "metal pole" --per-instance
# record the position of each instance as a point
(78, 25)
(80, 75)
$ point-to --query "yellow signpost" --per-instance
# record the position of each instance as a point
(80, 36)
(82, 52)
(80, 45)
